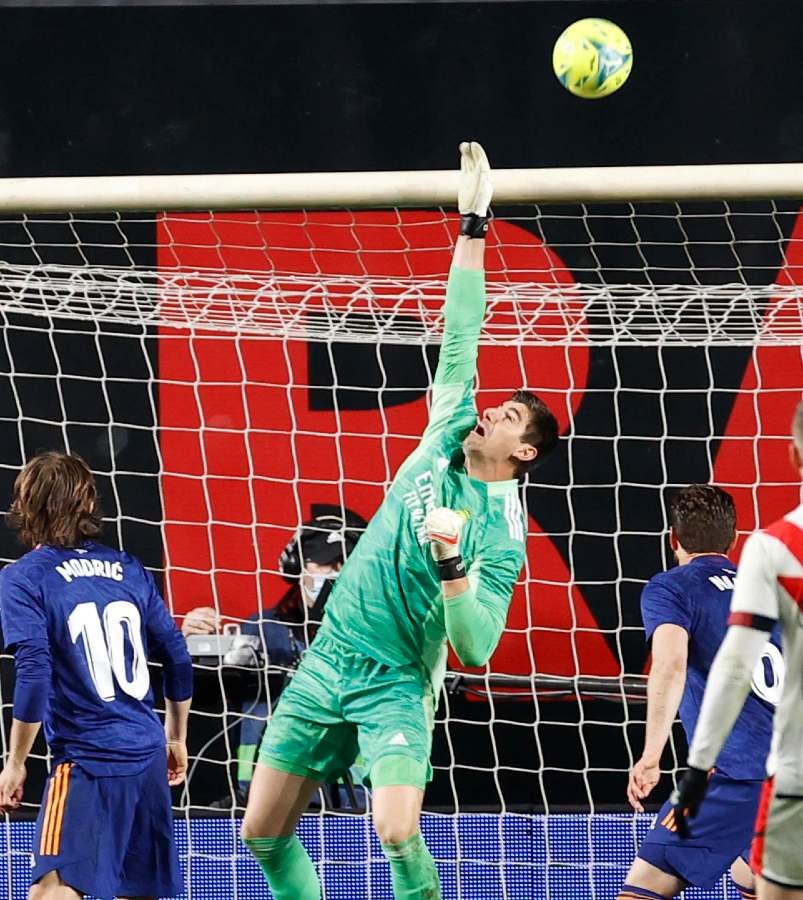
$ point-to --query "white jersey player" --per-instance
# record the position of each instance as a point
(769, 588)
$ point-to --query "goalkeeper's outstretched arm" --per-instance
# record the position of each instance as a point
(465, 297)
(473, 199)
(465, 294)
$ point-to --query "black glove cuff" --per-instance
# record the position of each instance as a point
(691, 787)
(699, 776)
(473, 226)
(451, 569)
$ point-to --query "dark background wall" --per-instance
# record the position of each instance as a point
(353, 87)
(297, 88)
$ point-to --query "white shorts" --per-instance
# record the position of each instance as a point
(778, 846)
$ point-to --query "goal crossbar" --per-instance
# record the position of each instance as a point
(328, 190)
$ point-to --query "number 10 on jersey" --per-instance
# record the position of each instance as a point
(105, 641)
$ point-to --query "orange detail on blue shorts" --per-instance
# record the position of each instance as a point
(50, 841)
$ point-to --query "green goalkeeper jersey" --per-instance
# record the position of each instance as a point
(387, 602)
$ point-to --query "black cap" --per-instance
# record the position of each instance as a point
(326, 539)
(325, 542)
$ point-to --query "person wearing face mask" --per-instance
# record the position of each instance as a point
(309, 564)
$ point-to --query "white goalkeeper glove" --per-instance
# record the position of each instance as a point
(474, 190)
(443, 528)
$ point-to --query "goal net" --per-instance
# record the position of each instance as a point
(227, 373)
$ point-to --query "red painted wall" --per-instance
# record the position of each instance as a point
(245, 457)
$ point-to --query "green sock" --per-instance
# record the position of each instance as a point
(412, 870)
(287, 867)
(246, 754)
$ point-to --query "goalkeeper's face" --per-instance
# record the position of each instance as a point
(499, 436)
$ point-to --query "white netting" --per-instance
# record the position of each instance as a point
(367, 309)
(226, 373)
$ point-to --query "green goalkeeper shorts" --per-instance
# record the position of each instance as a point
(341, 704)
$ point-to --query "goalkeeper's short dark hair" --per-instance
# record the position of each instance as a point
(704, 518)
(541, 431)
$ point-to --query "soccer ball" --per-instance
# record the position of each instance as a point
(592, 58)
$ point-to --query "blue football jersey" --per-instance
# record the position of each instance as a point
(102, 617)
(697, 597)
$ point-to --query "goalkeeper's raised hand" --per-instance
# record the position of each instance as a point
(443, 528)
(687, 797)
(474, 190)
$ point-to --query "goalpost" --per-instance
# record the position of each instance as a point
(225, 372)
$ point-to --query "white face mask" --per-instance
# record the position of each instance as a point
(318, 581)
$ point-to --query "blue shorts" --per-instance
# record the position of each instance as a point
(110, 836)
(720, 832)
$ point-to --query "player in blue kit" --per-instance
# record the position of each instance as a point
(83, 620)
(685, 613)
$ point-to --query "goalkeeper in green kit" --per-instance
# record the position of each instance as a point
(437, 562)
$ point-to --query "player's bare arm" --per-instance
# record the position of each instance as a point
(177, 714)
(670, 644)
(33, 673)
(12, 778)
